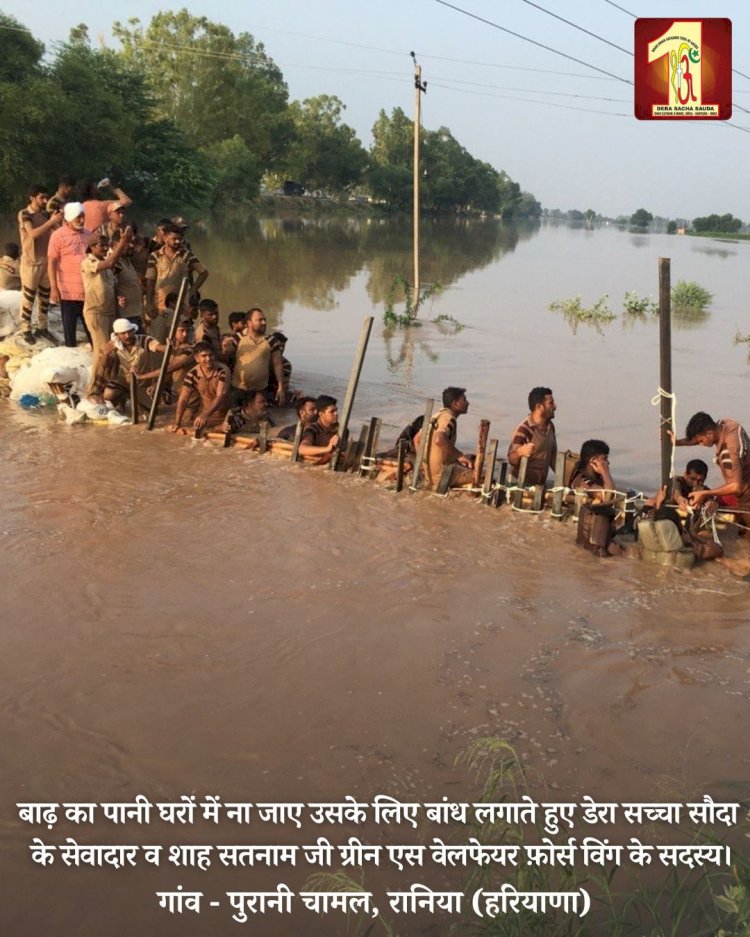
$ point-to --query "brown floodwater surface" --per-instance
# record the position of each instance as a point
(180, 619)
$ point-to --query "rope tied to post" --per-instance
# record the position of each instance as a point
(671, 422)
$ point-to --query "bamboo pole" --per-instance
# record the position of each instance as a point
(263, 437)
(351, 390)
(520, 480)
(371, 447)
(665, 367)
(167, 356)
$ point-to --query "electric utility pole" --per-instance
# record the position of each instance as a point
(420, 88)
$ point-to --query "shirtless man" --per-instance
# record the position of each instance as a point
(535, 439)
(442, 449)
(204, 391)
(732, 457)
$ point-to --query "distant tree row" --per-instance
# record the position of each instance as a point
(188, 113)
(725, 223)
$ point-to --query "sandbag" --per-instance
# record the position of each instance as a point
(661, 542)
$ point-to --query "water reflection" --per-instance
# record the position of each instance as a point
(272, 262)
(715, 251)
(689, 317)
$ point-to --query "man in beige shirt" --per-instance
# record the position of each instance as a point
(442, 449)
(99, 305)
(257, 353)
(10, 278)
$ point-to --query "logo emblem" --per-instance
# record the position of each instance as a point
(683, 69)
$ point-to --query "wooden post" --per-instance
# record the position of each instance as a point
(665, 367)
(371, 447)
(400, 464)
(359, 450)
(518, 495)
(419, 88)
(133, 397)
(489, 471)
(167, 356)
(423, 440)
(227, 439)
(445, 479)
(557, 497)
(351, 390)
(501, 495)
(484, 431)
(263, 437)
(538, 501)
(297, 438)
(198, 434)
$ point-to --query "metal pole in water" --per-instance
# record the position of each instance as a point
(665, 367)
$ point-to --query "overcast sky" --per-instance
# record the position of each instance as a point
(562, 130)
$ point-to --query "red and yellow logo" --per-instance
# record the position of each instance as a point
(683, 69)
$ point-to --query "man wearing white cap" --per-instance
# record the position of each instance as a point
(126, 352)
(67, 248)
(99, 304)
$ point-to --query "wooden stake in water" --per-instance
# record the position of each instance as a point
(484, 432)
(665, 367)
(297, 438)
(133, 397)
(489, 471)
(167, 355)
(351, 390)
(400, 464)
(424, 439)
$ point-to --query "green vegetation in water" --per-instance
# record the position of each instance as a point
(696, 902)
(689, 295)
(575, 313)
(448, 324)
(639, 306)
(740, 339)
(408, 317)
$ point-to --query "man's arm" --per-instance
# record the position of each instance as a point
(54, 291)
(449, 453)
(52, 222)
(278, 369)
(117, 251)
(520, 447)
(306, 448)
(122, 198)
(182, 402)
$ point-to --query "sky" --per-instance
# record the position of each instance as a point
(563, 131)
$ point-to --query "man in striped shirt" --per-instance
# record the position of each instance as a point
(534, 438)
(205, 391)
(166, 269)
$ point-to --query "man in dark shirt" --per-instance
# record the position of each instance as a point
(320, 438)
(307, 412)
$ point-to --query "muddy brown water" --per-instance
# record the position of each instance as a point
(184, 620)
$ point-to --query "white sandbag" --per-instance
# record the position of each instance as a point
(34, 375)
(10, 311)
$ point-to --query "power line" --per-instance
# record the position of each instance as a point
(541, 45)
(562, 94)
(576, 26)
(507, 97)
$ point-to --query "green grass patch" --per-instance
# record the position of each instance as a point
(575, 313)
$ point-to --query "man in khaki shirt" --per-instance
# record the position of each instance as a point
(166, 269)
(10, 278)
(99, 305)
(257, 353)
(35, 226)
(442, 448)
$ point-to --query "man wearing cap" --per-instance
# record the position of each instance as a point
(35, 226)
(99, 305)
(67, 248)
(166, 269)
(125, 352)
(115, 224)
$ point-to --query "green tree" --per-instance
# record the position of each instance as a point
(641, 218)
(324, 152)
(725, 223)
(212, 84)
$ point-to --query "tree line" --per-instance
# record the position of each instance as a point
(187, 114)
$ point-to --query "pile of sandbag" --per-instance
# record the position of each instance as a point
(70, 367)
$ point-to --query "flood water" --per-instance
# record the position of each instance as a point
(184, 620)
